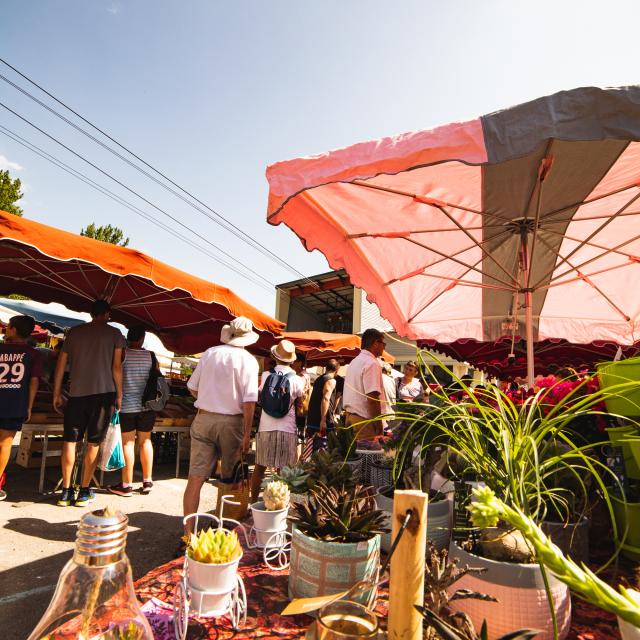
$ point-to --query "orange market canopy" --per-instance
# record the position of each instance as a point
(525, 221)
(51, 265)
(319, 346)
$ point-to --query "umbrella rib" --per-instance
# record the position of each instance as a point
(84, 275)
(467, 283)
(592, 244)
(135, 294)
(509, 285)
(55, 279)
(414, 196)
(545, 166)
(602, 255)
(586, 278)
(585, 218)
(402, 234)
(591, 235)
(575, 205)
(447, 257)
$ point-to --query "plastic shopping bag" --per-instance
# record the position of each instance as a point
(111, 456)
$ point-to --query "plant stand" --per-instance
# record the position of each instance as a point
(226, 595)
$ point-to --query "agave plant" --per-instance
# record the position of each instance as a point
(328, 469)
(339, 514)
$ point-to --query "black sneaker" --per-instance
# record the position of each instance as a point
(120, 490)
(85, 496)
(67, 498)
(146, 487)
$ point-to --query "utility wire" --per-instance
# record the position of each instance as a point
(125, 203)
(219, 219)
(124, 186)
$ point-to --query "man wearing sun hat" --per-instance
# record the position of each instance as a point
(225, 385)
(277, 439)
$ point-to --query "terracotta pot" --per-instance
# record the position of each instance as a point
(519, 589)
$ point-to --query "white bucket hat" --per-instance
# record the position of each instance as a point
(284, 351)
(239, 332)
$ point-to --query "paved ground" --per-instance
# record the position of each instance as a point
(37, 537)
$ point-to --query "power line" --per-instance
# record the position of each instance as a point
(124, 186)
(125, 203)
(221, 220)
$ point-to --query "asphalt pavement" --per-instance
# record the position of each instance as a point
(37, 537)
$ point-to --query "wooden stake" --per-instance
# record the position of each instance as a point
(406, 586)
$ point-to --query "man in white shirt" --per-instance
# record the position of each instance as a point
(363, 397)
(225, 385)
(277, 439)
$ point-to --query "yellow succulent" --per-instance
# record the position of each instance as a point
(214, 546)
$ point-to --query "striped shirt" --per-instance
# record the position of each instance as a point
(135, 373)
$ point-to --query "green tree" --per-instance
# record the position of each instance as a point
(106, 233)
(10, 193)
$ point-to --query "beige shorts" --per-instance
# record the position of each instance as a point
(214, 437)
(367, 431)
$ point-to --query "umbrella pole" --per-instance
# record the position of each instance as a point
(528, 302)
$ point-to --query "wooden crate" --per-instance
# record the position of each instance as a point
(30, 450)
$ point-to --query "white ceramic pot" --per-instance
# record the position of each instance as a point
(264, 520)
(628, 631)
(519, 589)
(213, 578)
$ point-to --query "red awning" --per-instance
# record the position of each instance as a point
(51, 265)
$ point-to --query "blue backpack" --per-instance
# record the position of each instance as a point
(275, 397)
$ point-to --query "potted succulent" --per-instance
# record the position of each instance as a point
(443, 620)
(326, 467)
(270, 514)
(336, 541)
(341, 444)
(487, 509)
(213, 557)
(297, 479)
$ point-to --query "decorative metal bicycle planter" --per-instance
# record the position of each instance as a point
(269, 533)
(209, 590)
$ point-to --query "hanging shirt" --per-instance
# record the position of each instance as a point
(19, 362)
(135, 374)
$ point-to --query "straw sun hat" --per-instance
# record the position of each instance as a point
(239, 332)
(284, 351)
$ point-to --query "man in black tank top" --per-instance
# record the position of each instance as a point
(320, 418)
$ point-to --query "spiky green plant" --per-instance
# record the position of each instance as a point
(488, 509)
(339, 514)
(341, 443)
(328, 469)
(214, 546)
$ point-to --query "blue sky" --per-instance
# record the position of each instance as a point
(212, 92)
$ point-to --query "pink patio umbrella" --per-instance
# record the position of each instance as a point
(524, 221)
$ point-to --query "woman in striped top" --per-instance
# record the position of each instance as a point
(135, 420)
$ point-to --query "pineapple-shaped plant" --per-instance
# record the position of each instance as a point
(276, 496)
(214, 546)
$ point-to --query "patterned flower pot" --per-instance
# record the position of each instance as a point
(322, 568)
(519, 589)
(369, 456)
(356, 465)
(438, 520)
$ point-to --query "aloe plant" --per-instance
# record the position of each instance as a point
(625, 603)
(296, 478)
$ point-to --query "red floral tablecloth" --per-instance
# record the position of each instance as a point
(267, 597)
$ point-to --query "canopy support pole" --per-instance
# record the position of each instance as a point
(528, 301)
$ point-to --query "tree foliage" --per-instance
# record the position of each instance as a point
(105, 233)
(10, 193)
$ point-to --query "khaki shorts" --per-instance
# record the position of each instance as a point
(215, 437)
(367, 431)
